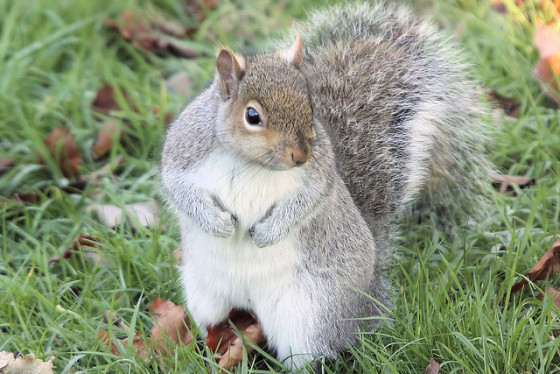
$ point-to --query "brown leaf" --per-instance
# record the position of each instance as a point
(78, 244)
(63, 148)
(104, 141)
(504, 183)
(29, 197)
(500, 7)
(106, 100)
(510, 107)
(27, 364)
(433, 367)
(152, 33)
(141, 346)
(547, 69)
(172, 321)
(548, 265)
(226, 344)
(171, 324)
(554, 295)
(197, 11)
(6, 164)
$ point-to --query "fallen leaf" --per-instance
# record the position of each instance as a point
(511, 107)
(227, 346)
(152, 33)
(78, 244)
(554, 295)
(110, 131)
(6, 164)
(500, 7)
(63, 149)
(145, 214)
(433, 367)
(549, 264)
(168, 116)
(171, 323)
(197, 11)
(504, 183)
(106, 101)
(140, 345)
(547, 69)
(28, 197)
(27, 364)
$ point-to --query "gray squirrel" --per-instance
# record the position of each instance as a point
(288, 173)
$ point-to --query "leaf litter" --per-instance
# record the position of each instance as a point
(548, 265)
(11, 363)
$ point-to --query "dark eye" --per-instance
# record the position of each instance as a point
(252, 117)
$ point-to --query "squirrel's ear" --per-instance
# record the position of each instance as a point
(294, 54)
(231, 68)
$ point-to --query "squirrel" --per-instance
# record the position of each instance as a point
(288, 174)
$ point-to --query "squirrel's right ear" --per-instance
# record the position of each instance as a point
(231, 68)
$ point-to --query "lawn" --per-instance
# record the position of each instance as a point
(452, 301)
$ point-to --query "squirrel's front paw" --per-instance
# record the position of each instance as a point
(265, 234)
(224, 225)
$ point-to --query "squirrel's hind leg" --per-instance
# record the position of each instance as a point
(296, 329)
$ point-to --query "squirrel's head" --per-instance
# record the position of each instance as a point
(264, 100)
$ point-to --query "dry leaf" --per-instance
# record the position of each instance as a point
(549, 264)
(554, 295)
(79, 243)
(6, 164)
(145, 214)
(63, 148)
(151, 33)
(171, 324)
(547, 69)
(510, 107)
(227, 346)
(433, 367)
(500, 7)
(140, 345)
(104, 141)
(194, 8)
(106, 102)
(27, 364)
(504, 183)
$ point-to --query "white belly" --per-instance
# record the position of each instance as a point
(233, 271)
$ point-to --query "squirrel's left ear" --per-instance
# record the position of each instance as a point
(231, 68)
(294, 54)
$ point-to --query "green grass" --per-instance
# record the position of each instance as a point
(54, 56)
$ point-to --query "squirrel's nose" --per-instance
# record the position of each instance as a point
(299, 156)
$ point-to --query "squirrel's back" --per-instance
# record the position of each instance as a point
(402, 111)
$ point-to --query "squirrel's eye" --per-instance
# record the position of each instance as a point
(252, 117)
